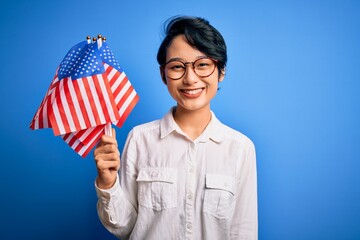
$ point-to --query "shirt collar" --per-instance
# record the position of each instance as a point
(168, 124)
(213, 131)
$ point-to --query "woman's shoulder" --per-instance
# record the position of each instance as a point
(151, 127)
(147, 126)
(232, 134)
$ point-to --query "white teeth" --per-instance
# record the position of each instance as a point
(191, 92)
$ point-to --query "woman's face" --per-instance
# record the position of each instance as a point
(191, 92)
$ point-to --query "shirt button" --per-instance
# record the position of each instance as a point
(189, 196)
(191, 170)
(188, 226)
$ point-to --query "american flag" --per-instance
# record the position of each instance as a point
(88, 91)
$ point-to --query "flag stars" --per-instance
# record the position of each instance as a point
(86, 60)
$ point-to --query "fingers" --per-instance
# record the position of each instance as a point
(106, 162)
(107, 159)
(106, 147)
(105, 139)
(107, 151)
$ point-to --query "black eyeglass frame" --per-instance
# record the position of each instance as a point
(193, 67)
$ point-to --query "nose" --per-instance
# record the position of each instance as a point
(190, 76)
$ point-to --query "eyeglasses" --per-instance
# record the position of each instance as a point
(176, 69)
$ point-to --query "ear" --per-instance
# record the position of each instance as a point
(162, 74)
(222, 75)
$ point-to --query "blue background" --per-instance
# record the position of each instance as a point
(292, 86)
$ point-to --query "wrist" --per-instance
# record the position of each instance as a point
(104, 184)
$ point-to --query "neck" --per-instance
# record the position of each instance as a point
(193, 123)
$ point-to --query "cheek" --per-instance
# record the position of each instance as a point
(171, 89)
(213, 84)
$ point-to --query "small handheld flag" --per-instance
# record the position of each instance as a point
(89, 92)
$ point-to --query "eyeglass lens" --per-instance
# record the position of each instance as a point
(203, 67)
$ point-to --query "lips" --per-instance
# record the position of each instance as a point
(192, 92)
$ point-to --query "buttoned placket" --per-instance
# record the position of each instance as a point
(189, 191)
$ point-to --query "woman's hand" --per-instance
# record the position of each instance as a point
(107, 159)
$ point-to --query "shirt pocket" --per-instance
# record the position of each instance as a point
(219, 196)
(157, 188)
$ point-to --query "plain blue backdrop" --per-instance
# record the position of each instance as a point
(292, 86)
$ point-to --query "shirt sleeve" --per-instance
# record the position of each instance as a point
(244, 224)
(117, 207)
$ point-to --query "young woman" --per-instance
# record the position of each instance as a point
(187, 175)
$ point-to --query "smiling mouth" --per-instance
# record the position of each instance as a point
(192, 91)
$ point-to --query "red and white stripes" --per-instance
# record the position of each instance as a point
(79, 109)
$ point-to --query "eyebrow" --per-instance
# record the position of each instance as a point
(183, 60)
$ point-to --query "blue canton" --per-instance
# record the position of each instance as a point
(107, 56)
(83, 60)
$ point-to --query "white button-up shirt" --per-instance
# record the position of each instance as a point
(171, 187)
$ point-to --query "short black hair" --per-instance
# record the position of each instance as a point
(199, 34)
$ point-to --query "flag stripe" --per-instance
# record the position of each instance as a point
(70, 139)
(109, 102)
(95, 102)
(91, 134)
(105, 102)
(68, 114)
(100, 97)
(121, 89)
(84, 151)
(115, 77)
(83, 135)
(125, 85)
(83, 115)
(40, 119)
(83, 87)
(125, 101)
(57, 117)
(81, 148)
(79, 120)
(84, 103)
(44, 120)
(51, 114)
(127, 111)
(86, 135)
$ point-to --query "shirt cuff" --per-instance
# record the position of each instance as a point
(107, 193)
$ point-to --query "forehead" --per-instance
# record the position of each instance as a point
(180, 48)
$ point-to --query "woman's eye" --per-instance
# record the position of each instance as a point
(202, 65)
(177, 67)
